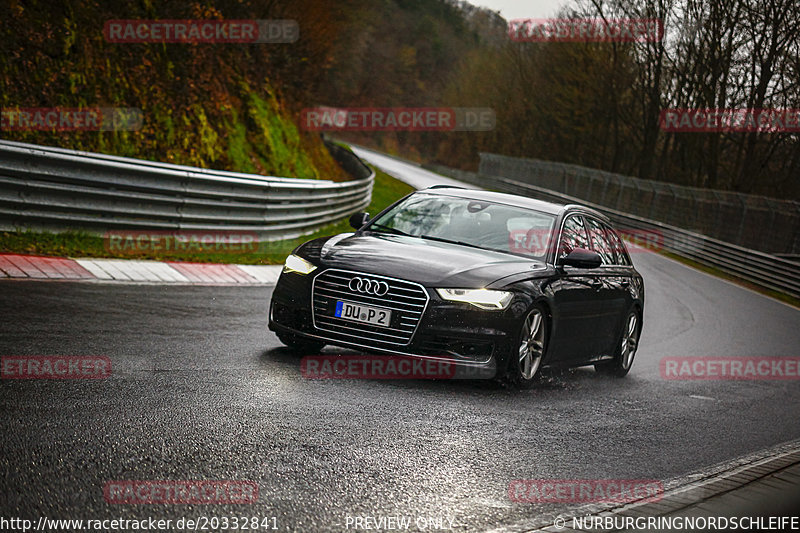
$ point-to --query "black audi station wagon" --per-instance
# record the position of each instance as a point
(492, 282)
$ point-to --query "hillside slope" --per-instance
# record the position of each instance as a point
(207, 105)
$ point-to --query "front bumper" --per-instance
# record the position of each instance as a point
(478, 342)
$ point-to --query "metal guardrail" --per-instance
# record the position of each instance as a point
(733, 217)
(54, 188)
(766, 270)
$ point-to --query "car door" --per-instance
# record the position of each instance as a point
(577, 307)
(614, 293)
(630, 287)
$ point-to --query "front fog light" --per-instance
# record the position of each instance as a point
(295, 263)
(481, 298)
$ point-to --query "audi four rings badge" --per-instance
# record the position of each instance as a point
(369, 286)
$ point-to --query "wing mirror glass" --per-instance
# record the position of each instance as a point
(358, 220)
(581, 258)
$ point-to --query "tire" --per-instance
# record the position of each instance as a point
(300, 344)
(525, 362)
(626, 347)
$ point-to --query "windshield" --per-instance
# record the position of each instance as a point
(475, 223)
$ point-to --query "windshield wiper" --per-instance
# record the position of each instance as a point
(462, 243)
(389, 229)
(429, 237)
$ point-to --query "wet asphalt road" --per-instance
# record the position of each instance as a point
(200, 389)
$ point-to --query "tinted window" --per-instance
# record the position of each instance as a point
(598, 235)
(620, 253)
(573, 236)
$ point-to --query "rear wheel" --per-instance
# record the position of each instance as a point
(625, 350)
(526, 361)
(300, 344)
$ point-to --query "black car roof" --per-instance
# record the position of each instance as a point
(551, 208)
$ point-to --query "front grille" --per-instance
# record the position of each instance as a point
(407, 301)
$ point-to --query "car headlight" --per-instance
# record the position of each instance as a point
(482, 298)
(295, 263)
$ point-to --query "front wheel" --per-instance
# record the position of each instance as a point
(625, 350)
(525, 362)
(301, 344)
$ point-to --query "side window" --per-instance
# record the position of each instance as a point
(620, 252)
(599, 238)
(573, 236)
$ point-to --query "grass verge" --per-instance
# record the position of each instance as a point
(81, 244)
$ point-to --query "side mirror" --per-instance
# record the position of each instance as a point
(357, 220)
(581, 258)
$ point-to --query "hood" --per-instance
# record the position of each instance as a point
(430, 263)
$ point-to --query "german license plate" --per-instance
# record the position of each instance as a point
(363, 313)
